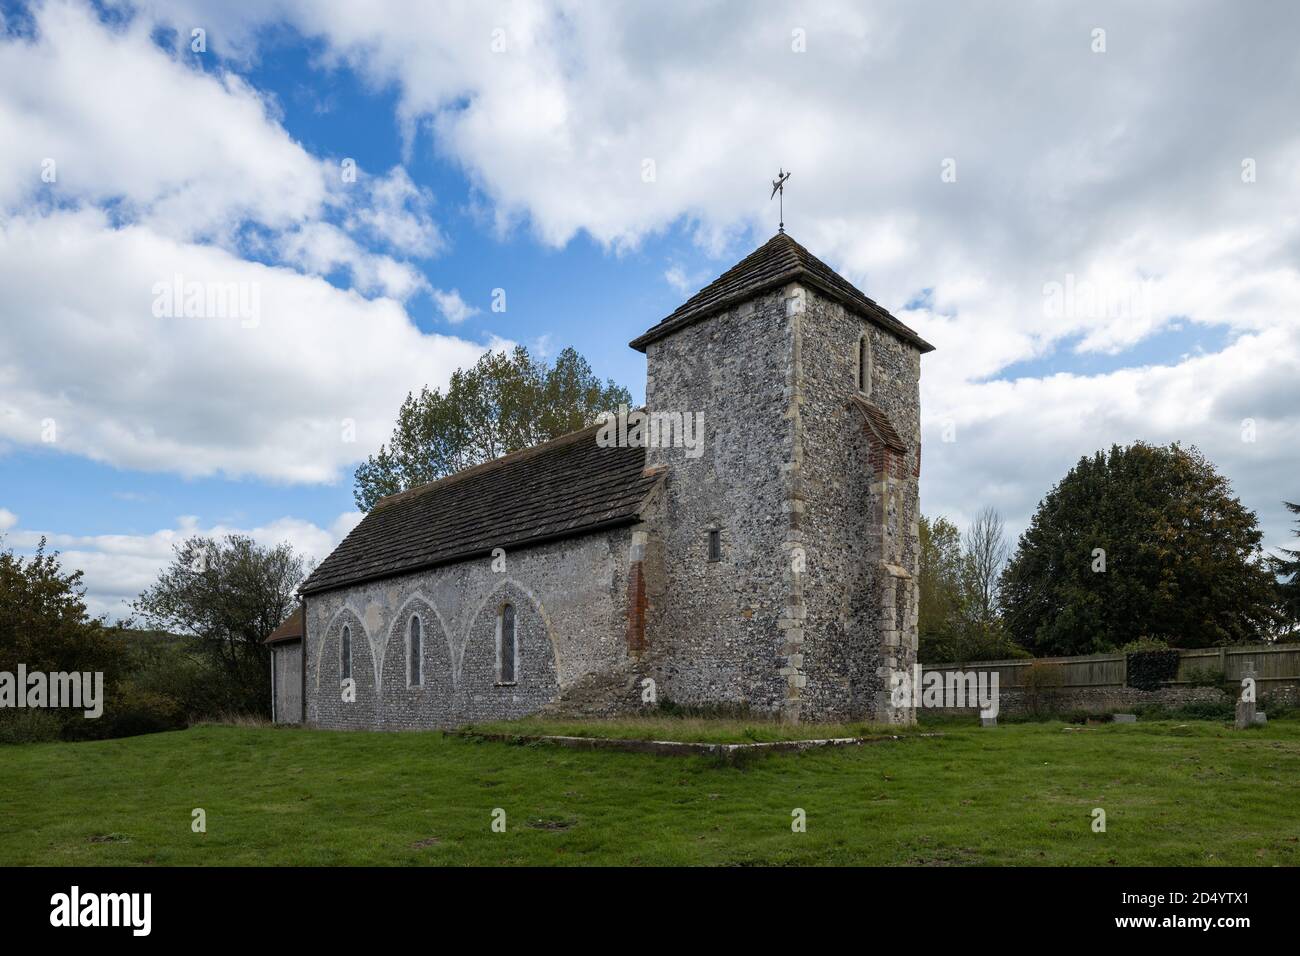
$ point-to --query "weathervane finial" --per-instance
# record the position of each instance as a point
(778, 186)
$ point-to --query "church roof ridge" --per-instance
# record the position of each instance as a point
(471, 471)
(568, 486)
(778, 261)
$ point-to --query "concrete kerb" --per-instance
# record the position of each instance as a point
(726, 752)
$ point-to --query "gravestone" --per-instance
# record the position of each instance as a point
(1245, 714)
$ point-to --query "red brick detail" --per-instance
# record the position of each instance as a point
(886, 461)
(636, 608)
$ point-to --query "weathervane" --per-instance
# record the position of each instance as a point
(778, 186)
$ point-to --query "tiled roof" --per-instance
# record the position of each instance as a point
(778, 261)
(565, 487)
(290, 630)
(880, 424)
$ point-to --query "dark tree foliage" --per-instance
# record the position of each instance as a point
(1287, 569)
(1182, 559)
(939, 600)
(958, 617)
(230, 594)
(44, 623)
(502, 404)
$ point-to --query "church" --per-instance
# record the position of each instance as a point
(766, 565)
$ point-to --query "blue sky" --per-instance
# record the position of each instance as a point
(581, 295)
(503, 145)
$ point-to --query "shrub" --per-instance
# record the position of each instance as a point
(1283, 702)
(670, 708)
(1206, 677)
(1145, 643)
(1207, 710)
(28, 725)
(1222, 710)
(177, 668)
(1149, 670)
(129, 711)
(1042, 687)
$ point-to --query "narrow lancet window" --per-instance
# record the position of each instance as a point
(413, 677)
(506, 645)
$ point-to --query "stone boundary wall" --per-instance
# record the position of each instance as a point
(1272, 667)
(1093, 700)
(1097, 683)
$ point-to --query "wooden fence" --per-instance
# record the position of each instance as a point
(1270, 666)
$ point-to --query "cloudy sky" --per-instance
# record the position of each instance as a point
(1091, 210)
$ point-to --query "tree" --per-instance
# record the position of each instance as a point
(1143, 542)
(1288, 569)
(502, 404)
(230, 594)
(44, 623)
(985, 554)
(939, 601)
(44, 626)
(957, 618)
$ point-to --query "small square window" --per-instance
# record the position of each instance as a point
(715, 545)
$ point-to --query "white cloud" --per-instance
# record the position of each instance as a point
(398, 214)
(685, 283)
(186, 159)
(1115, 171)
(453, 308)
(543, 347)
(320, 248)
(7, 519)
(197, 396)
(118, 567)
(1015, 439)
(185, 152)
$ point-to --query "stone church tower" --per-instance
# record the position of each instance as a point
(765, 561)
(782, 566)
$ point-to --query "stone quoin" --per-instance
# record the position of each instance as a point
(768, 564)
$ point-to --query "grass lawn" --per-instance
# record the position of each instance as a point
(708, 730)
(1174, 793)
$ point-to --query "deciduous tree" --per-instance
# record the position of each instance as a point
(230, 593)
(1142, 541)
(505, 402)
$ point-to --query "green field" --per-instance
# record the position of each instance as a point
(1174, 793)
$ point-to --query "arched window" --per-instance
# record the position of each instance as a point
(414, 672)
(345, 653)
(864, 366)
(506, 647)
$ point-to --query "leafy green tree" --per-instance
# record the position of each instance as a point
(44, 623)
(1288, 569)
(939, 600)
(502, 404)
(1142, 542)
(957, 617)
(230, 594)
